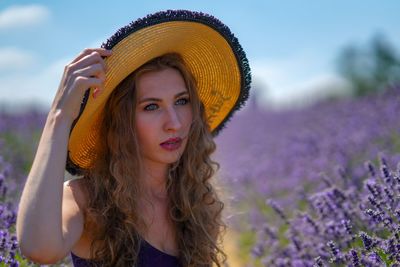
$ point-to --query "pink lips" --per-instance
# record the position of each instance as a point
(172, 144)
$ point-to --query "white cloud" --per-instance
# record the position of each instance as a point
(295, 81)
(19, 90)
(314, 89)
(19, 16)
(12, 58)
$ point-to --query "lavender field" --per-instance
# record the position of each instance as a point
(312, 187)
(318, 186)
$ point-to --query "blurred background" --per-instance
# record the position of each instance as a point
(324, 104)
(294, 48)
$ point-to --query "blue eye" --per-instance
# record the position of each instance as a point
(182, 101)
(151, 107)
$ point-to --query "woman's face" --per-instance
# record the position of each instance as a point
(163, 116)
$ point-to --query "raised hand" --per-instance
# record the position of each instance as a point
(87, 70)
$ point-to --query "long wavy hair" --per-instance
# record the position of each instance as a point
(112, 217)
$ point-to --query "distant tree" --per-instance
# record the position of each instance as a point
(371, 68)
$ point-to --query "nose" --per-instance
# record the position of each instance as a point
(173, 121)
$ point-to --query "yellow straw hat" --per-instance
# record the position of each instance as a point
(210, 51)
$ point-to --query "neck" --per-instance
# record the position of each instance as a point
(155, 180)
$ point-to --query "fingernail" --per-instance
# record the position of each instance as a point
(95, 92)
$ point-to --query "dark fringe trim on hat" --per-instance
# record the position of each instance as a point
(185, 15)
(72, 168)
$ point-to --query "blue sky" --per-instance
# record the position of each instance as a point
(291, 45)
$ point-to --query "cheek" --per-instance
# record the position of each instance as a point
(188, 117)
(143, 128)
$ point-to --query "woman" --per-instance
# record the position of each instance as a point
(141, 138)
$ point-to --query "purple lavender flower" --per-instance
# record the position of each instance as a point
(271, 233)
(354, 258)
(389, 195)
(311, 141)
(391, 249)
(375, 215)
(325, 179)
(18, 141)
(367, 241)
(343, 219)
(278, 210)
(373, 190)
(337, 257)
(258, 250)
(294, 238)
(350, 237)
(383, 163)
(370, 168)
(311, 222)
(375, 258)
(318, 262)
(397, 214)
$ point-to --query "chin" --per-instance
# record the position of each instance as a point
(172, 160)
(167, 159)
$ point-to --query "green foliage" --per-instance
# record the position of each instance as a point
(371, 68)
(247, 240)
(18, 147)
(21, 261)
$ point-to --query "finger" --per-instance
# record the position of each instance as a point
(86, 62)
(88, 82)
(102, 52)
(95, 70)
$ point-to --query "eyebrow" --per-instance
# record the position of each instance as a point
(153, 99)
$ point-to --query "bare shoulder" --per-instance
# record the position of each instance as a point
(74, 205)
(73, 191)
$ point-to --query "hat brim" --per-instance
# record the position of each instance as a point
(210, 56)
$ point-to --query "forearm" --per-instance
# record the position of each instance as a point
(40, 226)
(39, 220)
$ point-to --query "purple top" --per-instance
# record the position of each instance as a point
(149, 256)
